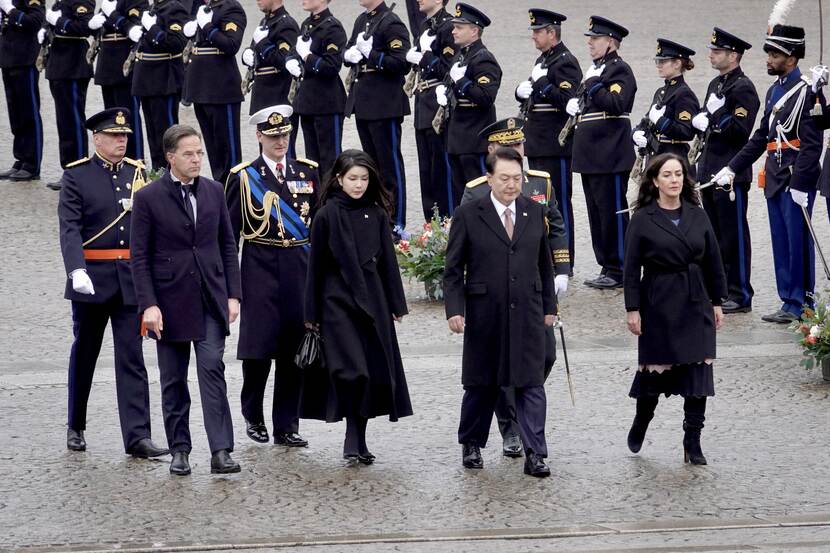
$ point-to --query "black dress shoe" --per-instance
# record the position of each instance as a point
(471, 457)
(591, 281)
(289, 439)
(604, 282)
(779, 317)
(221, 463)
(257, 431)
(23, 175)
(8, 172)
(55, 185)
(146, 449)
(75, 440)
(366, 458)
(352, 459)
(535, 465)
(180, 466)
(731, 306)
(512, 446)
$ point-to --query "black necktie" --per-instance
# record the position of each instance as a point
(188, 204)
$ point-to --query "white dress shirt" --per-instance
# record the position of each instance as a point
(192, 196)
(272, 165)
(500, 209)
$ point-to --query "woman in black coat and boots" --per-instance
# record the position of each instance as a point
(674, 305)
(354, 294)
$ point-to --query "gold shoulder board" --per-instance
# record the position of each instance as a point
(240, 167)
(78, 162)
(535, 173)
(134, 162)
(475, 182)
(307, 162)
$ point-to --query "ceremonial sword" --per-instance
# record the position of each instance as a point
(561, 327)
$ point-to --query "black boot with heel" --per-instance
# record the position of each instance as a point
(645, 412)
(695, 409)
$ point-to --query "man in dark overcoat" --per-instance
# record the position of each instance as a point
(499, 279)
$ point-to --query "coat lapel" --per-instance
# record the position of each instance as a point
(521, 218)
(175, 193)
(662, 221)
(487, 211)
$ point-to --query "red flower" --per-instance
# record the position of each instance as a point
(811, 340)
(805, 329)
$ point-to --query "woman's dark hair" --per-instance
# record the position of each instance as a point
(688, 65)
(375, 192)
(648, 192)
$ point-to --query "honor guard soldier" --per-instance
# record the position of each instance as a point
(602, 151)
(158, 71)
(213, 82)
(724, 127)
(431, 59)
(271, 202)
(20, 21)
(111, 26)
(376, 54)
(94, 213)
(821, 116)
(543, 97)
(468, 96)
(68, 74)
(789, 137)
(265, 58)
(315, 65)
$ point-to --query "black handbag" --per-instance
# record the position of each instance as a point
(309, 352)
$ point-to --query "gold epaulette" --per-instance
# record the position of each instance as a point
(134, 162)
(308, 162)
(78, 162)
(535, 173)
(240, 167)
(475, 182)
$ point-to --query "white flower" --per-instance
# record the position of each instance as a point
(815, 331)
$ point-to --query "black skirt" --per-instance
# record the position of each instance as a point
(686, 380)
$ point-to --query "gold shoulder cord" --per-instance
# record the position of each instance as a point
(250, 213)
(137, 184)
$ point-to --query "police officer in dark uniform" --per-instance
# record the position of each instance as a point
(602, 151)
(158, 71)
(376, 52)
(20, 21)
(271, 203)
(94, 214)
(321, 99)
(111, 25)
(468, 95)
(724, 127)
(213, 82)
(789, 137)
(431, 59)
(543, 97)
(265, 58)
(68, 74)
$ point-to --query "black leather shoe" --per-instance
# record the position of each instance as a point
(591, 281)
(366, 458)
(604, 282)
(289, 439)
(731, 306)
(257, 431)
(8, 172)
(23, 175)
(351, 459)
(471, 457)
(535, 465)
(779, 317)
(55, 185)
(146, 449)
(180, 466)
(75, 440)
(221, 463)
(512, 446)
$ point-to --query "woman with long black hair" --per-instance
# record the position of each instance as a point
(674, 284)
(354, 294)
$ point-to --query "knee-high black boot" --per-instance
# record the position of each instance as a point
(645, 412)
(695, 411)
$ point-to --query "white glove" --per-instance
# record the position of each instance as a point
(364, 45)
(52, 16)
(96, 22)
(639, 138)
(108, 6)
(41, 36)
(248, 57)
(136, 32)
(819, 76)
(414, 56)
(6, 5)
(426, 40)
(353, 55)
(724, 176)
(701, 121)
(457, 72)
(524, 90)
(204, 17)
(799, 197)
(81, 282)
(441, 94)
(190, 29)
(572, 107)
(147, 20)
(260, 33)
(655, 113)
(303, 47)
(560, 284)
(538, 72)
(293, 67)
(594, 71)
(714, 103)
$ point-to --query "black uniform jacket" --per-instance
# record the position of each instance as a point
(321, 91)
(273, 276)
(476, 98)
(682, 278)
(18, 33)
(271, 81)
(797, 168)
(730, 126)
(115, 45)
(178, 267)
(602, 137)
(378, 88)
(433, 67)
(67, 55)
(213, 74)
(503, 288)
(674, 129)
(158, 68)
(94, 194)
(546, 114)
(822, 122)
